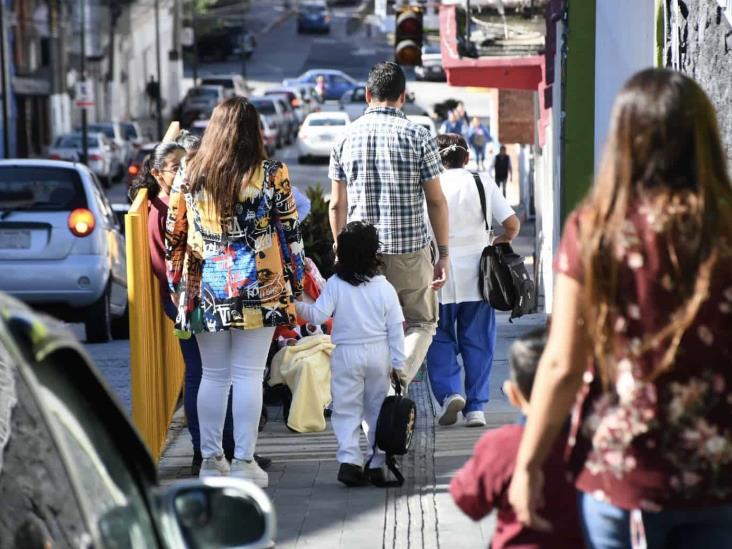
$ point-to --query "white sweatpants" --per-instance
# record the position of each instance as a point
(239, 356)
(359, 384)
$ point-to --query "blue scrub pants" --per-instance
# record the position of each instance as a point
(469, 330)
(192, 380)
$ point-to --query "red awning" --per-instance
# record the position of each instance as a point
(518, 73)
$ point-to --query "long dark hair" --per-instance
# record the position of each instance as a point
(231, 149)
(357, 253)
(154, 160)
(663, 146)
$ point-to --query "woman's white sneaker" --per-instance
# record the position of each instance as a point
(452, 406)
(249, 470)
(214, 467)
(475, 419)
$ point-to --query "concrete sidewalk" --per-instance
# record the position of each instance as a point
(314, 509)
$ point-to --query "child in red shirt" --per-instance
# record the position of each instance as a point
(481, 485)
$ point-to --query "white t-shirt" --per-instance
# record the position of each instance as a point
(365, 313)
(467, 233)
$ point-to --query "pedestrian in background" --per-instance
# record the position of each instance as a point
(383, 170)
(502, 170)
(644, 293)
(453, 124)
(369, 339)
(152, 91)
(481, 485)
(321, 87)
(467, 324)
(478, 137)
(234, 271)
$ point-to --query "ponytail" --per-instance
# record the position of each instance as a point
(144, 180)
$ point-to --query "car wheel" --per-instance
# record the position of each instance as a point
(121, 325)
(99, 320)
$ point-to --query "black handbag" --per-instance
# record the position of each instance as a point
(503, 280)
(395, 431)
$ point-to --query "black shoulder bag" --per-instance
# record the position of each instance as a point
(503, 280)
(394, 432)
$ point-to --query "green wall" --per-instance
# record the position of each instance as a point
(578, 155)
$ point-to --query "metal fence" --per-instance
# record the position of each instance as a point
(156, 364)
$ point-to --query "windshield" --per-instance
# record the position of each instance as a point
(74, 142)
(47, 189)
(327, 122)
(102, 128)
(218, 82)
(431, 49)
(264, 107)
(129, 131)
(203, 93)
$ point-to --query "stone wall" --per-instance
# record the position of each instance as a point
(699, 42)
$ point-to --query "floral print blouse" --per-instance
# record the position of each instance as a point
(665, 443)
(242, 272)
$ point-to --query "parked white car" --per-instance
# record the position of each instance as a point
(121, 144)
(102, 158)
(424, 121)
(61, 246)
(319, 132)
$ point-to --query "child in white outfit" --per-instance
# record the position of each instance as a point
(369, 340)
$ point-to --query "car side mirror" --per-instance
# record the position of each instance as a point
(218, 512)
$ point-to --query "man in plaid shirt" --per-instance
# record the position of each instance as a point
(382, 171)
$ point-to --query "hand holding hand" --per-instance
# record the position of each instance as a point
(526, 495)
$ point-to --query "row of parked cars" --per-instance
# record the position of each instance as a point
(110, 148)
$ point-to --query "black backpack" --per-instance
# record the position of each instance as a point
(394, 431)
(503, 280)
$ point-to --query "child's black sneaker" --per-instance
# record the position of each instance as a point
(351, 475)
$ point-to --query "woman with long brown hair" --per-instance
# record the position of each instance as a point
(642, 332)
(235, 266)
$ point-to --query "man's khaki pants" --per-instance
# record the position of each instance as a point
(411, 274)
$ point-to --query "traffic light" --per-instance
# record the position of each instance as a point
(408, 36)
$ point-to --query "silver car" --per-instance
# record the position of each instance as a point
(102, 159)
(61, 246)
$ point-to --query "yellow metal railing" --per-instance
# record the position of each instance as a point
(156, 364)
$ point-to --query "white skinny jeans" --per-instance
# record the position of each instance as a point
(239, 356)
(359, 384)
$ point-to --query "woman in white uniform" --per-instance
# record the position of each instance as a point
(467, 325)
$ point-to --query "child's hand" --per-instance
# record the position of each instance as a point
(395, 377)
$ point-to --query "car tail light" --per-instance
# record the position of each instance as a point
(55, 157)
(95, 157)
(133, 170)
(81, 222)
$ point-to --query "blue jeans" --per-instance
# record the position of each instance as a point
(467, 329)
(194, 370)
(609, 527)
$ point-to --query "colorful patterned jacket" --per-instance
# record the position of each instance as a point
(242, 272)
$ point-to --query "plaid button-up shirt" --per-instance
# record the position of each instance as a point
(384, 158)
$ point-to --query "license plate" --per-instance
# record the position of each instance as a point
(15, 239)
(326, 137)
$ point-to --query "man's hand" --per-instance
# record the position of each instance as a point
(440, 273)
(174, 299)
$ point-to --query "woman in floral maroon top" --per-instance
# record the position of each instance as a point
(642, 332)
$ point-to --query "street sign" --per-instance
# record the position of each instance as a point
(84, 95)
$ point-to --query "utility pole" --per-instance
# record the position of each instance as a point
(4, 83)
(195, 44)
(84, 122)
(158, 109)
